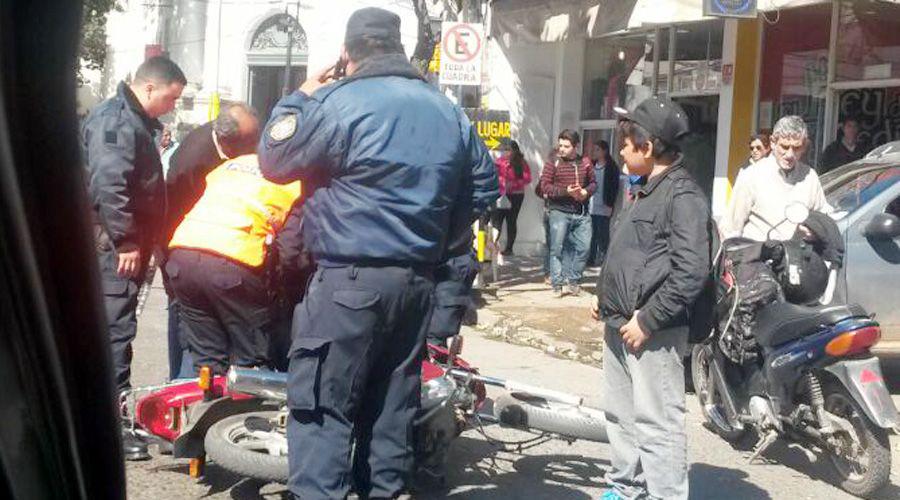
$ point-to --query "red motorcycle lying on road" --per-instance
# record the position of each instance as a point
(239, 420)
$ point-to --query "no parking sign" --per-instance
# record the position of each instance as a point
(462, 45)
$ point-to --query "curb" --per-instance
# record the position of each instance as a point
(498, 326)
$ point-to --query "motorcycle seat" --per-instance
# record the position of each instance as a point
(782, 322)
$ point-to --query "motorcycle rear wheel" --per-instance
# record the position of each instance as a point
(872, 471)
(246, 445)
(528, 412)
(700, 375)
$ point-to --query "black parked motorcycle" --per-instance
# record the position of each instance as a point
(803, 373)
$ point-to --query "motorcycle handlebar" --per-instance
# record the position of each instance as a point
(511, 386)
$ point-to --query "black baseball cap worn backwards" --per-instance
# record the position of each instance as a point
(373, 22)
(661, 117)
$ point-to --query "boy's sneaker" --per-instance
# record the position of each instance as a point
(575, 290)
(611, 495)
(558, 292)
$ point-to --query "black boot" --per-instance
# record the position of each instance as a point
(133, 447)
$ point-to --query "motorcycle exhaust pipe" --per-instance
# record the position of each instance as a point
(265, 384)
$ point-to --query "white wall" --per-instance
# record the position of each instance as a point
(193, 35)
(539, 83)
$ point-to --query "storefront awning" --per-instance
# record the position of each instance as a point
(554, 20)
(531, 21)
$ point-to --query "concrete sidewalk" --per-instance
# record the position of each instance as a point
(520, 308)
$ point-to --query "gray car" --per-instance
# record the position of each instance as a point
(865, 196)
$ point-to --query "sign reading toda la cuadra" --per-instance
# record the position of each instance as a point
(462, 46)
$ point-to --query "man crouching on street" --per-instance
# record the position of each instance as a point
(656, 267)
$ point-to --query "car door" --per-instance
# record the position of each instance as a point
(873, 266)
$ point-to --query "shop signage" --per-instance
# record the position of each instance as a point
(461, 53)
(730, 8)
(492, 126)
(727, 73)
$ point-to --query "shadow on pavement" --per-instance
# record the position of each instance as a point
(249, 489)
(819, 470)
(478, 470)
(709, 481)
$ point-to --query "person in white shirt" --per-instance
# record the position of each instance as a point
(762, 192)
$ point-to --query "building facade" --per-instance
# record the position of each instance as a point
(234, 49)
(567, 63)
(557, 64)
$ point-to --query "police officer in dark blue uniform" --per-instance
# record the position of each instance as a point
(453, 286)
(397, 158)
(127, 195)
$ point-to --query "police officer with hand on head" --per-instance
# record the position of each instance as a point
(127, 196)
(398, 158)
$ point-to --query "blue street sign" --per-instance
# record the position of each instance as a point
(729, 8)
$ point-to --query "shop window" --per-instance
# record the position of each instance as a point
(698, 58)
(794, 78)
(868, 40)
(618, 71)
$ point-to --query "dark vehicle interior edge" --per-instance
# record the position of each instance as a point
(58, 435)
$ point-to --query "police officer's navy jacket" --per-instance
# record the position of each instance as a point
(124, 174)
(399, 158)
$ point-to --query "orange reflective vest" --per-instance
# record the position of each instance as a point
(239, 213)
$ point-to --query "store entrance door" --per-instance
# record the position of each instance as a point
(699, 147)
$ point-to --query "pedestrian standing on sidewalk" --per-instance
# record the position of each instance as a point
(514, 175)
(608, 178)
(656, 267)
(127, 197)
(567, 184)
(402, 164)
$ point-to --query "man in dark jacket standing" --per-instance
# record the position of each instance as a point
(656, 267)
(399, 160)
(127, 195)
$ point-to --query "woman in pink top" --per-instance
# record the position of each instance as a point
(515, 175)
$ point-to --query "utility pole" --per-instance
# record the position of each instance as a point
(216, 99)
(289, 28)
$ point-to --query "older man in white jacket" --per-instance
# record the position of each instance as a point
(766, 188)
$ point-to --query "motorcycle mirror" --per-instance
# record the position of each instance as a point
(796, 213)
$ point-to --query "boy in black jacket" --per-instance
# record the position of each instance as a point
(656, 267)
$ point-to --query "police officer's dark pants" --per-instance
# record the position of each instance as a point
(356, 358)
(120, 298)
(451, 297)
(180, 364)
(225, 307)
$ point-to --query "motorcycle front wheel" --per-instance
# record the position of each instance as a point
(250, 445)
(863, 464)
(527, 412)
(701, 356)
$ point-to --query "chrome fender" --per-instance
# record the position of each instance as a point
(865, 383)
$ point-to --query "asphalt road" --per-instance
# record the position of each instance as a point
(480, 470)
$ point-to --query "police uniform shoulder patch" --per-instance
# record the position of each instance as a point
(283, 128)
